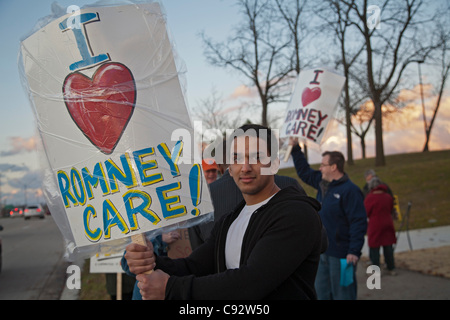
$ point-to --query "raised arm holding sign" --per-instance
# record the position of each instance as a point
(312, 106)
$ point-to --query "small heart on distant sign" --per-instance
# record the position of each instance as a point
(101, 106)
(310, 95)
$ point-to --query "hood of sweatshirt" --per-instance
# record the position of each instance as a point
(292, 194)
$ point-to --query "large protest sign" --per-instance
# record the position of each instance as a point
(312, 104)
(106, 93)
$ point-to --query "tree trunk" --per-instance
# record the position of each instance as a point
(425, 148)
(379, 148)
(363, 147)
(264, 112)
(348, 124)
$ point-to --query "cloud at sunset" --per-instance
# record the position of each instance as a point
(19, 145)
(405, 132)
(243, 91)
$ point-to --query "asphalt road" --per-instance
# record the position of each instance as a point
(33, 264)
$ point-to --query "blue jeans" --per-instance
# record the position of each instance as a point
(328, 278)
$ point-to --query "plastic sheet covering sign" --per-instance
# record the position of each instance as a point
(312, 104)
(114, 124)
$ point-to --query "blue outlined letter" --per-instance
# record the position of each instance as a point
(88, 59)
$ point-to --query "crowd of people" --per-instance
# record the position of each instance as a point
(269, 239)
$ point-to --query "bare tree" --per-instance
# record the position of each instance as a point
(215, 117)
(292, 13)
(389, 50)
(338, 20)
(444, 61)
(258, 50)
(360, 126)
(360, 112)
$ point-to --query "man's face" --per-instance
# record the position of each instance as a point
(210, 175)
(326, 168)
(249, 155)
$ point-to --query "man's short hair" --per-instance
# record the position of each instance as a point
(263, 133)
(336, 158)
(260, 132)
(375, 182)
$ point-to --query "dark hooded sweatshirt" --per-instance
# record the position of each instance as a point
(279, 256)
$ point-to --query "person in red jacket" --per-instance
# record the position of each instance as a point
(380, 230)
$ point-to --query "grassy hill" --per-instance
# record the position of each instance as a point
(422, 178)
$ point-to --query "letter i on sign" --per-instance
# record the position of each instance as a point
(317, 72)
(76, 22)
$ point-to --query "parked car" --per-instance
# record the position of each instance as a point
(1, 228)
(34, 210)
(16, 212)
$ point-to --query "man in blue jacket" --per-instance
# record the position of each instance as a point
(343, 216)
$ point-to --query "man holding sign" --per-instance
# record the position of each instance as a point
(343, 214)
(344, 217)
(276, 259)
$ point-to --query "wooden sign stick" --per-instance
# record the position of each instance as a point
(119, 286)
(140, 239)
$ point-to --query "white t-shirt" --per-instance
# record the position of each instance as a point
(236, 233)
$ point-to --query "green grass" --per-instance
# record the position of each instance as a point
(419, 178)
(422, 178)
(93, 285)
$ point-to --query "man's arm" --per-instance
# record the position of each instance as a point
(304, 171)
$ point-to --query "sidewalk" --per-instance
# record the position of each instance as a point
(409, 285)
(420, 239)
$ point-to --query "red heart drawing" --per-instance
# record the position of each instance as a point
(310, 95)
(102, 106)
